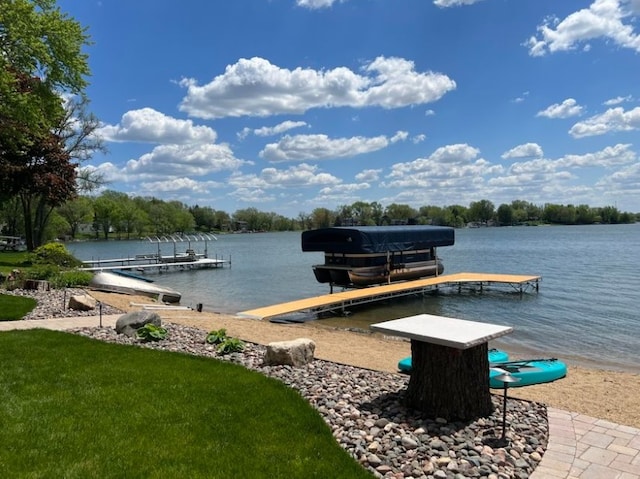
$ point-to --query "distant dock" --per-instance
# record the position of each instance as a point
(159, 263)
(145, 263)
(345, 299)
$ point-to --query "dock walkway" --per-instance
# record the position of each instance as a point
(344, 299)
(139, 264)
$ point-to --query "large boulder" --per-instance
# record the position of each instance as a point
(296, 352)
(82, 302)
(130, 323)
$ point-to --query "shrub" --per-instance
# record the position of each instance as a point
(54, 253)
(217, 337)
(44, 272)
(230, 345)
(69, 279)
(151, 332)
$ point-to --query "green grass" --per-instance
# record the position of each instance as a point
(10, 260)
(78, 408)
(15, 307)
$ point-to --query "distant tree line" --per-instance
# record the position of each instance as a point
(117, 215)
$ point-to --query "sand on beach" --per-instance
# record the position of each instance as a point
(600, 393)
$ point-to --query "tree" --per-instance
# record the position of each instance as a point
(399, 213)
(107, 212)
(322, 218)
(37, 41)
(41, 60)
(76, 212)
(505, 215)
(42, 177)
(205, 217)
(455, 215)
(481, 211)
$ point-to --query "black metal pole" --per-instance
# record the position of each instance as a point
(100, 313)
(504, 414)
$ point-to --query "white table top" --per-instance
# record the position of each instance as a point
(451, 332)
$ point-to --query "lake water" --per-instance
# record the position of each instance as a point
(585, 311)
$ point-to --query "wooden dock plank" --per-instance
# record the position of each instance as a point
(345, 298)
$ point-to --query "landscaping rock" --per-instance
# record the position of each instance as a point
(297, 352)
(82, 302)
(128, 324)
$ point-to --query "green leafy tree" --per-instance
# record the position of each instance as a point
(322, 218)
(505, 215)
(204, 217)
(76, 212)
(40, 60)
(107, 212)
(585, 215)
(400, 213)
(456, 216)
(481, 211)
(609, 215)
(40, 42)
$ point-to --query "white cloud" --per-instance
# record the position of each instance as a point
(526, 150)
(271, 130)
(302, 175)
(255, 87)
(619, 99)
(566, 109)
(252, 196)
(320, 147)
(521, 98)
(608, 157)
(399, 136)
(179, 160)
(343, 188)
(419, 138)
(368, 175)
(453, 166)
(612, 120)
(602, 20)
(453, 3)
(177, 185)
(279, 128)
(150, 126)
(625, 180)
(316, 4)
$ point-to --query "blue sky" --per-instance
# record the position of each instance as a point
(291, 105)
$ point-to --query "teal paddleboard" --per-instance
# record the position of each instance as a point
(495, 356)
(529, 371)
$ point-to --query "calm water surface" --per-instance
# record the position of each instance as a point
(586, 309)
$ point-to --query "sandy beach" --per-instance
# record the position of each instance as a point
(601, 393)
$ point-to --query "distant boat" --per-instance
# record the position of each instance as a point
(367, 255)
(115, 283)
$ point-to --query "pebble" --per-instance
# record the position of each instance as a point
(53, 304)
(364, 409)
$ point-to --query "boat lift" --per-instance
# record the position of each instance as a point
(159, 262)
(175, 239)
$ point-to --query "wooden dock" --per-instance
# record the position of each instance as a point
(353, 297)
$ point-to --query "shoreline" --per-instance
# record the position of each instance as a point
(591, 390)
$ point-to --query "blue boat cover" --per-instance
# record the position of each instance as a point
(376, 239)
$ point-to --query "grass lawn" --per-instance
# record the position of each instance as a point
(78, 408)
(15, 307)
(10, 260)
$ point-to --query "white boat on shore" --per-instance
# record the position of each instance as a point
(115, 283)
